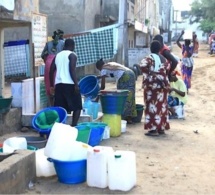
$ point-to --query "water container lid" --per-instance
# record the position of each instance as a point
(84, 145)
(117, 155)
(96, 150)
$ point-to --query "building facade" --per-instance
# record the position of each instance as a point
(166, 19)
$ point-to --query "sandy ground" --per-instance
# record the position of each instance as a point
(180, 162)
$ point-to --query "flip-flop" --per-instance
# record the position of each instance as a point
(173, 117)
(130, 122)
(162, 132)
(152, 133)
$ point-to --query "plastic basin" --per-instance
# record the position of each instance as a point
(62, 119)
(36, 141)
(113, 104)
(89, 86)
(70, 172)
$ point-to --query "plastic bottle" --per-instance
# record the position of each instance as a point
(97, 168)
(87, 107)
(106, 134)
(122, 170)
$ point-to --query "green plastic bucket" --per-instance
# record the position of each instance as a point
(138, 118)
(83, 133)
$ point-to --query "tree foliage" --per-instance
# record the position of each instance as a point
(203, 11)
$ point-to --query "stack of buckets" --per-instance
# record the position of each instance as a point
(89, 88)
(112, 103)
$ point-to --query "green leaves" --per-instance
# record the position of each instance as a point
(202, 11)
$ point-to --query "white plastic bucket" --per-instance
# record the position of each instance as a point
(123, 126)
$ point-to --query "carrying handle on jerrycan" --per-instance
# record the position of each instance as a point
(50, 160)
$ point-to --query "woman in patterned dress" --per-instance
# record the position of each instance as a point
(156, 88)
(126, 80)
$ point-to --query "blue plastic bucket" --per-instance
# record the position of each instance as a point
(93, 124)
(96, 135)
(97, 131)
(70, 172)
(89, 86)
(113, 104)
(62, 113)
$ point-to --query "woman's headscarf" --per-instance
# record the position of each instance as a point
(160, 39)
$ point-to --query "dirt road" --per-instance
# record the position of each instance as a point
(181, 162)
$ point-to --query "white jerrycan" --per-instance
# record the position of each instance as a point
(97, 168)
(44, 168)
(14, 143)
(78, 151)
(122, 170)
(60, 141)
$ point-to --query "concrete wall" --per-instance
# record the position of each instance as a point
(66, 15)
(17, 171)
(14, 34)
(10, 121)
(92, 7)
(70, 16)
(110, 7)
(22, 12)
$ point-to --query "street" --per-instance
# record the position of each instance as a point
(180, 162)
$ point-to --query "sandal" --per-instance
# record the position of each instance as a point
(161, 132)
(130, 122)
(152, 133)
(173, 117)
